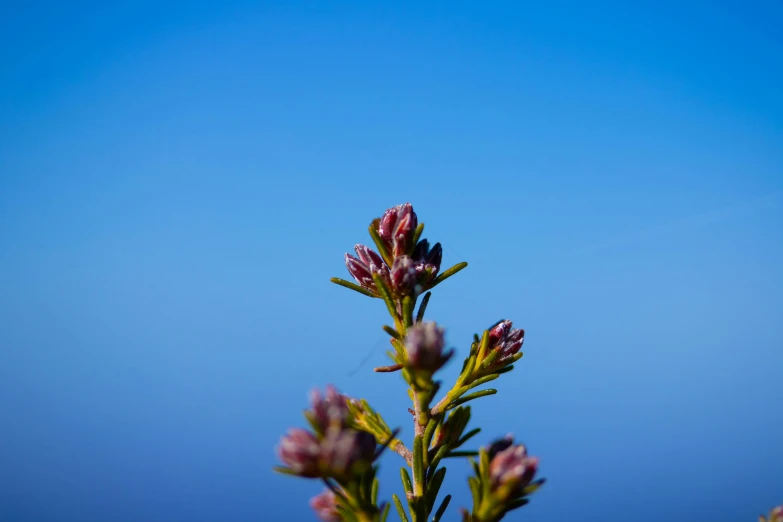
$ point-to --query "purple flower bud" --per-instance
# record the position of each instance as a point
(330, 409)
(300, 451)
(512, 470)
(427, 262)
(403, 276)
(346, 452)
(362, 268)
(424, 343)
(325, 507)
(387, 224)
(506, 340)
(499, 445)
(397, 227)
(370, 258)
(360, 272)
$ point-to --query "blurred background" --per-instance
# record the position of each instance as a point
(179, 181)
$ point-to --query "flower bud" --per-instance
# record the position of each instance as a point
(510, 470)
(427, 262)
(346, 452)
(424, 343)
(329, 410)
(500, 445)
(369, 257)
(363, 267)
(325, 507)
(403, 276)
(300, 451)
(506, 340)
(397, 227)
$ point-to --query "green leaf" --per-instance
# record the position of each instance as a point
(448, 273)
(434, 487)
(483, 346)
(532, 487)
(466, 437)
(471, 396)
(406, 480)
(423, 306)
(517, 504)
(285, 471)
(490, 358)
(429, 431)
(416, 236)
(352, 286)
(475, 490)
(385, 511)
(442, 509)
(470, 364)
(483, 462)
(392, 332)
(407, 310)
(380, 284)
(481, 380)
(418, 462)
(400, 509)
(438, 456)
(454, 454)
(374, 494)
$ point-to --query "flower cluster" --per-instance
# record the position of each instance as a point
(404, 267)
(504, 477)
(506, 341)
(510, 469)
(335, 450)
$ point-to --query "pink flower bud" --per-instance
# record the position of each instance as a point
(424, 343)
(506, 340)
(363, 267)
(300, 451)
(329, 410)
(370, 258)
(397, 227)
(427, 262)
(325, 507)
(403, 276)
(511, 469)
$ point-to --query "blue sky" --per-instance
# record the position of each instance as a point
(178, 181)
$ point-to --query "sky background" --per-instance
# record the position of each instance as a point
(179, 181)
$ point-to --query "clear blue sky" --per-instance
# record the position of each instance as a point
(178, 181)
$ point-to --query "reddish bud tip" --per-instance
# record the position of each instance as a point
(325, 507)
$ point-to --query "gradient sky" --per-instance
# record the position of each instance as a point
(178, 181)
